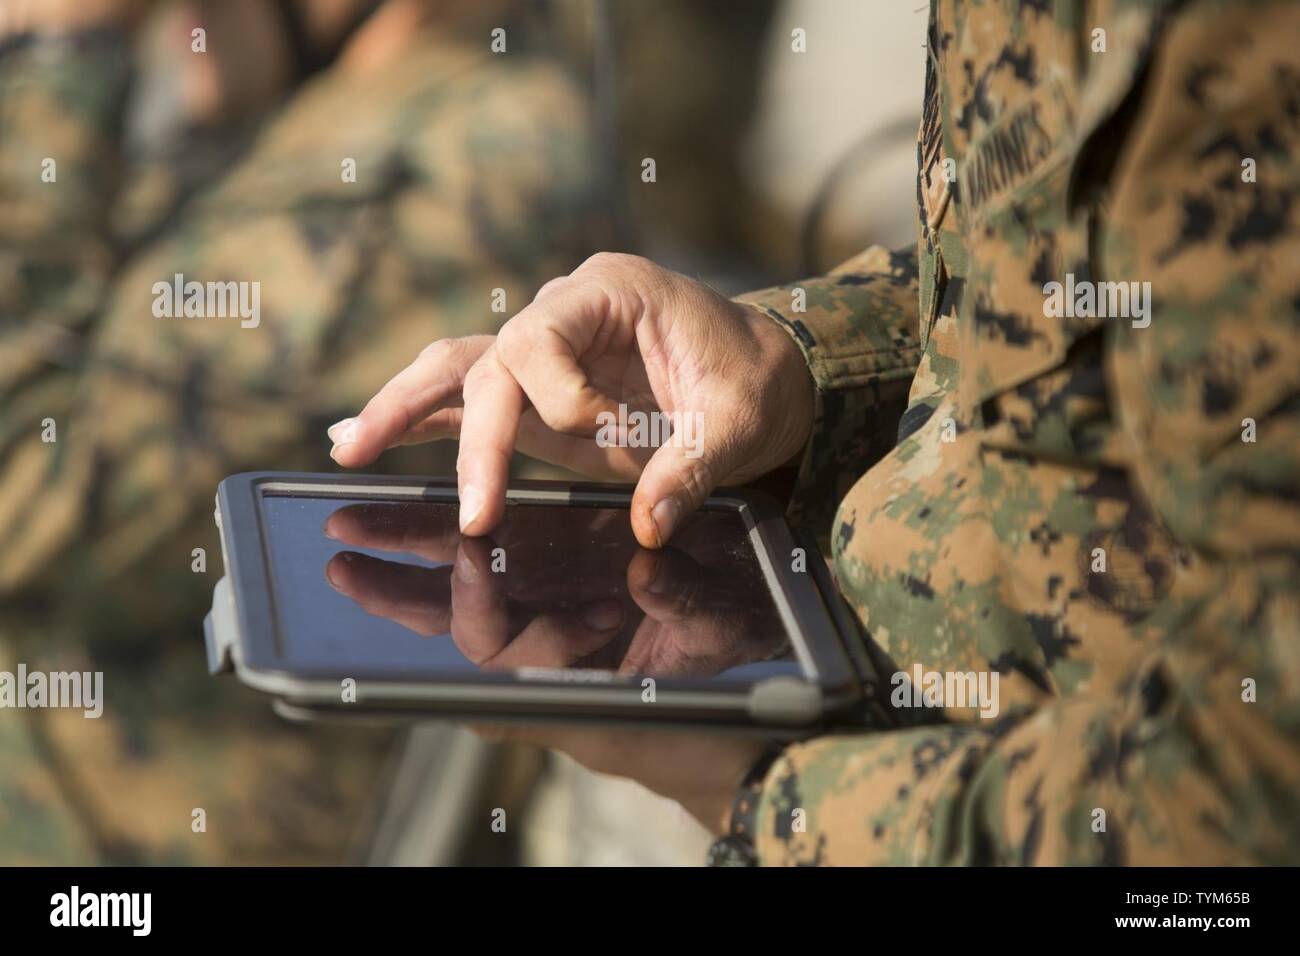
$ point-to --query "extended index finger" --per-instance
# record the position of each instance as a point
(493, 404)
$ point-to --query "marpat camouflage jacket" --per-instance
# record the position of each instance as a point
(1102, 509)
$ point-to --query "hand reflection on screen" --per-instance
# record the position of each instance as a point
(615, 606)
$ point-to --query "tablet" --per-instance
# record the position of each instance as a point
(352, 594)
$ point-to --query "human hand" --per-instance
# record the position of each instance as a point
(701, 770)
(618, 331)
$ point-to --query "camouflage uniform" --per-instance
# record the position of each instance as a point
(472, 174)
(1076, 504)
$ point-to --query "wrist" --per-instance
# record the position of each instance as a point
(796, 389)
(737, 841)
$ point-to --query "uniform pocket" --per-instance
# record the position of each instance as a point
(1027, 236)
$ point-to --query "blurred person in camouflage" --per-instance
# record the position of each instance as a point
(365, 176)
(1055, 442)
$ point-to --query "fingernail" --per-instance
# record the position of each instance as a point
(603, 615)
(661, 583)
(471, 503)
(665, 515)
(343, 432)
(331, 568)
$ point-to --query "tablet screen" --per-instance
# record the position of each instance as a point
(367, 587)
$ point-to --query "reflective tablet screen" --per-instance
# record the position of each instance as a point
(369, 588)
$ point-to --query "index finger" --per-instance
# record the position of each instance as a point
(493, 404)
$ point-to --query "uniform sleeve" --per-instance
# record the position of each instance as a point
(1193, 756)
(857, 329)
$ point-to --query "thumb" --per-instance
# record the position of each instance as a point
(679, 476)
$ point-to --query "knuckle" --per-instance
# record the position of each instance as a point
(686, 601)
(562, 415)
(554, 285)
(597, 261)
(698, 479)
(476, 377)
(437, 349)
(512, 342)
(616, 263)
(623, 283)
(456, 354)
